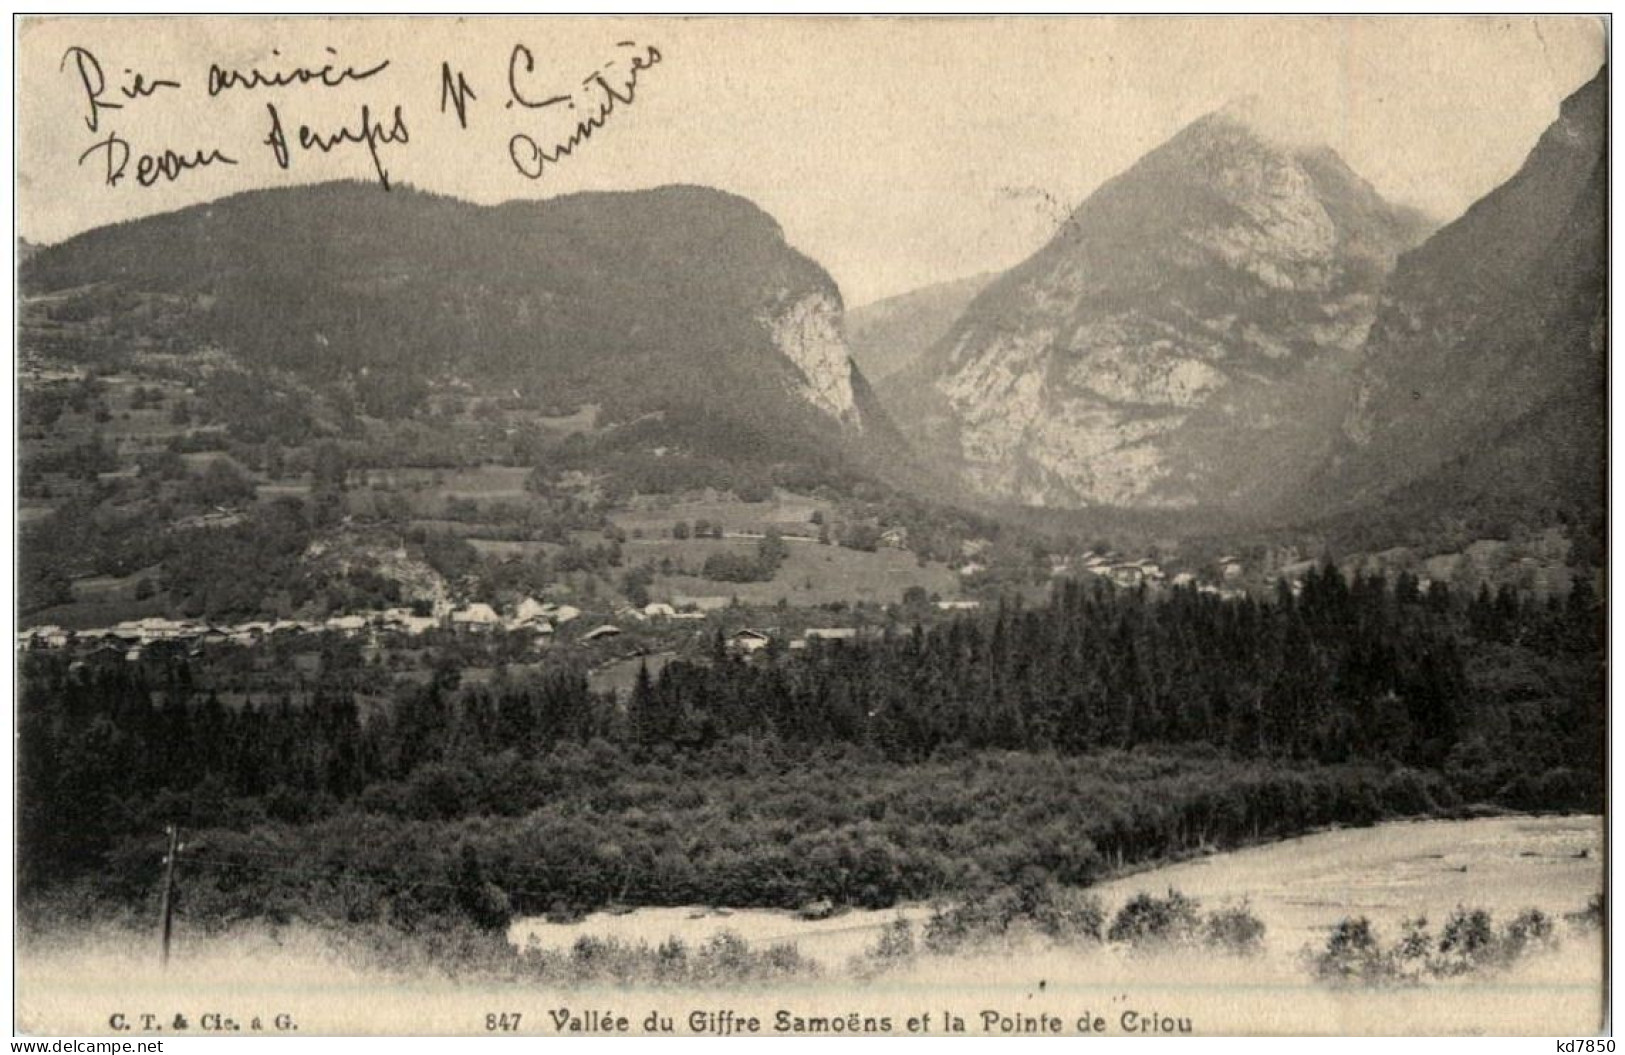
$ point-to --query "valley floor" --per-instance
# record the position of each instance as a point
(1299, 888)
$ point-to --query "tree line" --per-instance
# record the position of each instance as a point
(1242, 718)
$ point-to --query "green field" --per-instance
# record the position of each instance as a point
(654, 515)
(81, 615)
(426, 491)
(111, 587)
(812, 574)
(691, 552)
(479, 482)
(499, 548)
(283, 489)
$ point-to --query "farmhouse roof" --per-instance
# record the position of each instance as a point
(832, 633)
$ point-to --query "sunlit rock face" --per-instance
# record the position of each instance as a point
(1189, 336)
(807, 331)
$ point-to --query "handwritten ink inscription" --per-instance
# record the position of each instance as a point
(367, 131)
(94, 82)
(552, 116)
(601, 91)
(115, 153)
(330, 75)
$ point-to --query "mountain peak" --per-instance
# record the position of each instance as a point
(1286, 130)
(1168, 348)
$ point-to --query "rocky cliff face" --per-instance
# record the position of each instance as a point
(1498, 310)
(807, 331)
(1186, 339)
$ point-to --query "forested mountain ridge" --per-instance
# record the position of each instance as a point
(889, 336)
(681, 301)
(1483, 385)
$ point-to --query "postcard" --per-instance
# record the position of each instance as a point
(842, 526)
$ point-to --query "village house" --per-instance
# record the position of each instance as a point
(124, 634)
(658, 610)
(1127, 575)
(419, 624)
(959, 606)
(831, 633)
(532, 615)
(49, 636)
(528, 612)
(828, 633)
(348, 625)
(479, 617)
(895, 538)
(747, 641)
(152, 628)
(401, 620)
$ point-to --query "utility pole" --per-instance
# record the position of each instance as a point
(167, 908)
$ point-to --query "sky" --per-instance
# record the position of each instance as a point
(895, 152)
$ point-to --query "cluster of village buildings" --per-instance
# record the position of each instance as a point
(529, 615)
(1147, 572)
(749, 641)
(1130, 573)
(542, 619)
